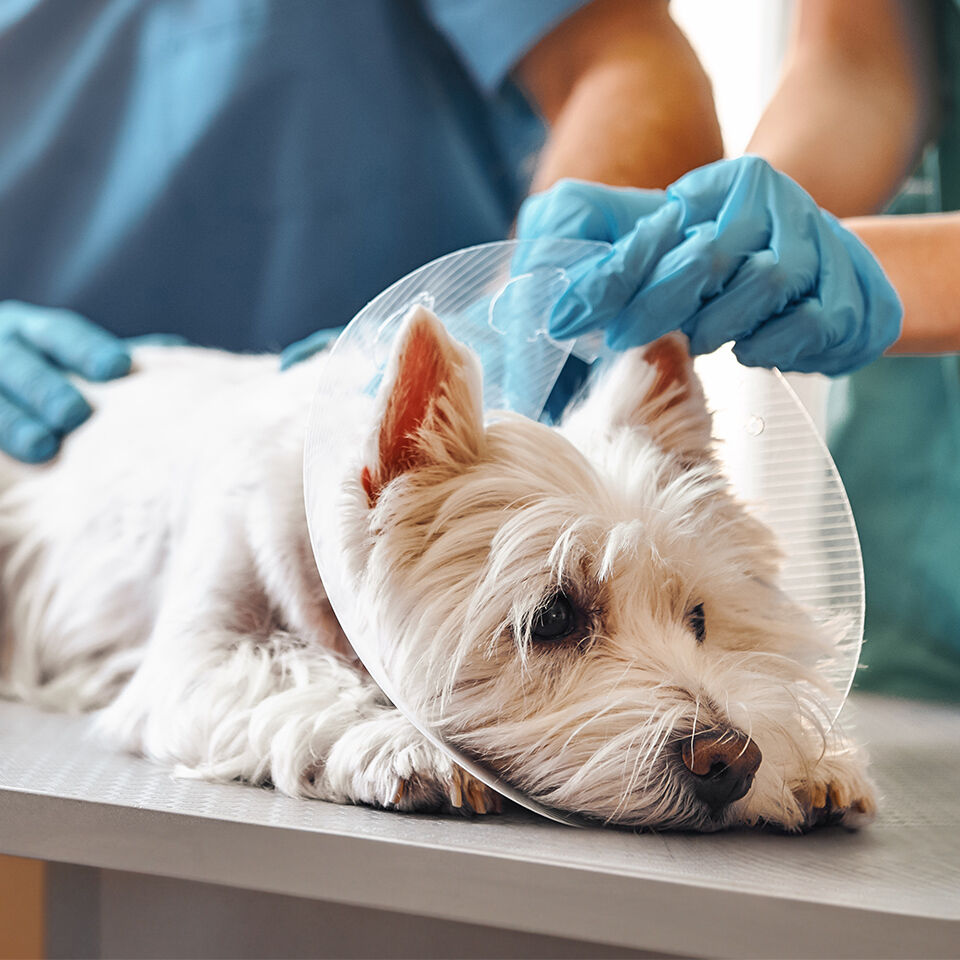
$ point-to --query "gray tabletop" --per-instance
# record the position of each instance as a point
(891, 890)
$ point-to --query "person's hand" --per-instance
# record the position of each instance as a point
(38, 348)
(734, 251)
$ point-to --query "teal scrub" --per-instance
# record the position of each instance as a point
(895, 435)
(244, 172)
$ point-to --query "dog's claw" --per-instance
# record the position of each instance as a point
(835, 804)
(461, 793)
(456, 795)
(469, 796)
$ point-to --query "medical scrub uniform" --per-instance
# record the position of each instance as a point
(244, 172)
(896, 440)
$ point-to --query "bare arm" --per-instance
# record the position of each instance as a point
(920, 256)
(853, 110)
(855, 102)
(627, 101)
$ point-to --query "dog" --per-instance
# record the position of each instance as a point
(584, 609)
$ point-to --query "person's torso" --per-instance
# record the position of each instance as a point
(240, 171)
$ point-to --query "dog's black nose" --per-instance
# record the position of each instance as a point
(723, 765)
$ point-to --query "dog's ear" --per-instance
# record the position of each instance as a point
(654, 388)
(430, 405)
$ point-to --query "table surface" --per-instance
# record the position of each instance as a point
(890, 890)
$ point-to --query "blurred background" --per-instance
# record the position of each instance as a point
(741, 44)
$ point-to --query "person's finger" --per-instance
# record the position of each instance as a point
(603, 286)
(764, 285)
(579, 210)
(40, 389)
(724, 189)
(685, 278)
(23, 436)
(761, 255)
(795, 340)
(754, 293)
(865, 312)
(72, 341)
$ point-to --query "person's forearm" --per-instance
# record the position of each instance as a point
(919, 255)
(635, 110)
(853, 107)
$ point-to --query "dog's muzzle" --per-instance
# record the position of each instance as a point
(722, 765)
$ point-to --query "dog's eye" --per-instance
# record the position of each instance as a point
(554, 619)
(697, 621)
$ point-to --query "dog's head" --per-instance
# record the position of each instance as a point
(585, 609)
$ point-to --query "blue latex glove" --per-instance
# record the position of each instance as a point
(304, 349)
(734, 251)
(577, 210)
(38, 347)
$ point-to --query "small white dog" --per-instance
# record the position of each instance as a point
(597, 617)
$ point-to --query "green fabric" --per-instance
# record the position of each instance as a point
(948, 144)
(895, 434)
(896, 440)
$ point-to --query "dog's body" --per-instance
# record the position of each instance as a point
(160, 572)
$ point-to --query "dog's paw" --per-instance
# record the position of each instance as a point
(455, 791)
(388, 764)
(837, 792)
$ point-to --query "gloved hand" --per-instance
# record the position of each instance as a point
(734, 251)
(38, 346)
(304, 349)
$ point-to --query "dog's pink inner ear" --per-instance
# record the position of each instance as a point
(670, 358)
(655, 388)
(425, 365)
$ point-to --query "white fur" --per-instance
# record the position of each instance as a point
(159, 572)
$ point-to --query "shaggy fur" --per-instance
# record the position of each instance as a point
(159, 572)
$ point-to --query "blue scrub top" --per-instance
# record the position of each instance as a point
(244, 172)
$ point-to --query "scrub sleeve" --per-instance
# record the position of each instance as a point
(895, 436)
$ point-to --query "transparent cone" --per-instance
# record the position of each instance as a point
(496, 299)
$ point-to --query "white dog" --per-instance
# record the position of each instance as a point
(585, 610)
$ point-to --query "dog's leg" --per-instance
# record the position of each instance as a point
(386, 762)
(256, 708)
(272, 710)
(811, 782)
(241, 678)
(837, 789)
(224, 692)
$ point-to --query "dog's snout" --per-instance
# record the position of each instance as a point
(723, 765)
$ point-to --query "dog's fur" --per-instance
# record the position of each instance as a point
(159, 572)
